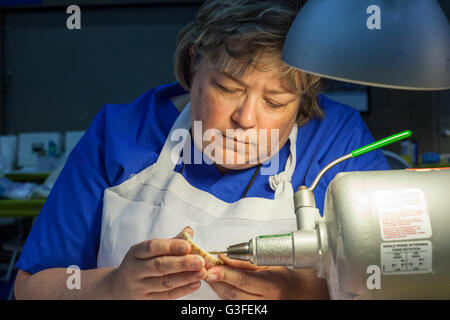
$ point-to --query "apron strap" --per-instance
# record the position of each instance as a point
(170, 153)
(281, 182)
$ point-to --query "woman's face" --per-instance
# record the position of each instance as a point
(251, 117)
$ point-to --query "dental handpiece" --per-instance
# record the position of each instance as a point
(274, 250)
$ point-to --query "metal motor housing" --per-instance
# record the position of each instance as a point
(362, 233)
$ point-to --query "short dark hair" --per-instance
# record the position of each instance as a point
(236, 34)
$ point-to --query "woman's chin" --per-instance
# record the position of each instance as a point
(228, 167)
(235, 161)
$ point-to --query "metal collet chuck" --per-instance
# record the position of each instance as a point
(299, 249)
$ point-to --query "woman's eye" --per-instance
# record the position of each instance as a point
(275, 105)
(226, 90)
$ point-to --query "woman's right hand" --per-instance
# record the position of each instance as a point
(158, 269)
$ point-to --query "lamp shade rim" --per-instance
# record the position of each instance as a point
(372, 84)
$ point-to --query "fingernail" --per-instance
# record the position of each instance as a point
(182, 248)
(212, 277)
(194, 285)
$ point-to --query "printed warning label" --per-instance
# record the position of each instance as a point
(403, 214)
(406, 257)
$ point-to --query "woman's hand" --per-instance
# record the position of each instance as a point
(158, 269)
(240, 280)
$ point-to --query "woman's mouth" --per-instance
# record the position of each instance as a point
(239, 140)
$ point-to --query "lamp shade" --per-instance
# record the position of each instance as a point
(402, 44)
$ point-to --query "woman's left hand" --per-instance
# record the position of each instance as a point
(240, 280)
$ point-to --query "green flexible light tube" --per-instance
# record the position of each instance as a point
(360, 151)
(381, 143)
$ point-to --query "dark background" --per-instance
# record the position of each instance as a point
(55, 79)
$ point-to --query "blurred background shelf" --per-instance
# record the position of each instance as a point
(20, 208)
(28, 177)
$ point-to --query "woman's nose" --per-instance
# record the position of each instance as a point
(245, 114)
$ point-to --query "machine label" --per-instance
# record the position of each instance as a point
(403, 214)
(406, 257)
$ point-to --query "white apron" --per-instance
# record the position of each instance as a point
(159, 202)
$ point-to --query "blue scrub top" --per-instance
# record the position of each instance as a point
(124, 139)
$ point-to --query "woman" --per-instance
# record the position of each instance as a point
(128, 187)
